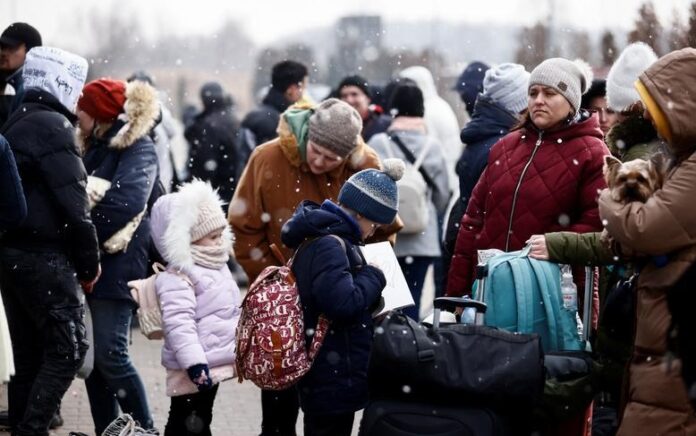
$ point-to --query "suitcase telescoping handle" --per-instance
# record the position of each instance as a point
(481, 276)
(587, 304)
(468, 304)
(450, 304)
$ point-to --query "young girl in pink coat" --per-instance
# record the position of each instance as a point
(199, 301)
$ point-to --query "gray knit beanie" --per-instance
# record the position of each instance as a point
(507, 85)
(335, 125)
(569, 78)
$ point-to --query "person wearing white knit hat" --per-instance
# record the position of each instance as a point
(634, 59)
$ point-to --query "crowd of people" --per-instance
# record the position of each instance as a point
(91, 196)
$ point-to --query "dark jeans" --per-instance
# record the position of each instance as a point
(415, 268)
(46, 320)
(114, 381)
(280, 410)
(192, 414)
(328, 425)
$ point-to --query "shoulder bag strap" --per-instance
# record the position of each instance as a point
(417, 162)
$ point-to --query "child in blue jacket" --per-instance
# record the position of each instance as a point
(333, 279)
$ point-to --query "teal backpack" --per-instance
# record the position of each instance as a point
(524, 295)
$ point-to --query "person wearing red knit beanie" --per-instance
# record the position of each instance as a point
(115, 121)
(103, 99)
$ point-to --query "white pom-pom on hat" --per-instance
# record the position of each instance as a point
(394, 168)
(586, 72)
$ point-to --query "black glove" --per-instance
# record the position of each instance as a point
(200, 376)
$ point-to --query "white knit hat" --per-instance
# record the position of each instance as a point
(506, 85)
(634, 59)
(58, 72)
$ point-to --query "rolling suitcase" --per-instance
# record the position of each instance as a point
(451, 380)
(403, 418)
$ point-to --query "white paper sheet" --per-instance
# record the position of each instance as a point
(396, 294)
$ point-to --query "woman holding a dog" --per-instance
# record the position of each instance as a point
(665, 225)
(543, 176)
(633, 137)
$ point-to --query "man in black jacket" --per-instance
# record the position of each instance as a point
(288, 82)
(15, 42)
(55, 250)
(212, 137)
(355, 91)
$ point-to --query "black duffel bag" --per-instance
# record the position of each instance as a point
(464, 363)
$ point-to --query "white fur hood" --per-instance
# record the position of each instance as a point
(140, 114)
(172, 218)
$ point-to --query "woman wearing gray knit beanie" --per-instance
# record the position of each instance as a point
(543, 176)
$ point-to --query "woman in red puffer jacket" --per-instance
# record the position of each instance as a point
(542, 177)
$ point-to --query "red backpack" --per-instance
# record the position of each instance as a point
(271, 347)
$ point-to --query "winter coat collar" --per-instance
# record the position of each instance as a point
(632, 131)
(361, 157)
(408, 123)
(586, 125)
(141, 114)
(488, 120)
(15, 79)
(38, 96)
(311, 220)
(276, 99)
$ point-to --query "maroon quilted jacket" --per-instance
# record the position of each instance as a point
(535, 182)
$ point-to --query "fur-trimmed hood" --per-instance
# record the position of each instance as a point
(172, 218)
(141, 112)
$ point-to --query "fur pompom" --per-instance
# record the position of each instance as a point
(394, 168)
(587, 74)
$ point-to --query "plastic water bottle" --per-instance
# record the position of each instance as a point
(569, 290)
(468, 316)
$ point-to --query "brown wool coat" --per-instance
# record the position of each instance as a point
(665, 224)
(274, 182)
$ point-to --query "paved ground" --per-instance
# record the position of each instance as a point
(237, 406)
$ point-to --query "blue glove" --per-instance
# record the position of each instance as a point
(200, 376)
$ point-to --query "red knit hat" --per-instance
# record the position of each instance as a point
(103, 99)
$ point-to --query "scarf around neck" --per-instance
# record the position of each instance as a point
(213, 257)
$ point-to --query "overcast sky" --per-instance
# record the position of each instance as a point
(62, 22)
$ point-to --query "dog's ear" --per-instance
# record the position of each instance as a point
(657, 165)
(611, 166)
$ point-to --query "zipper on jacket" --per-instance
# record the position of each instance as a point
(517, 190)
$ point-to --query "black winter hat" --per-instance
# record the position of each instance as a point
(598, 89)
(358, 81)
(21, 33)
(212, 94)
(407, 101)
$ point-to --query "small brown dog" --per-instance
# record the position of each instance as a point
(635, 180)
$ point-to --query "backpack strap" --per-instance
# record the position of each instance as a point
(551, 305)
(159, 268)
(416, 162)
(523, 288)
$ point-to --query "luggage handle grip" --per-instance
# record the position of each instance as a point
(426, 355)
(445, 303)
